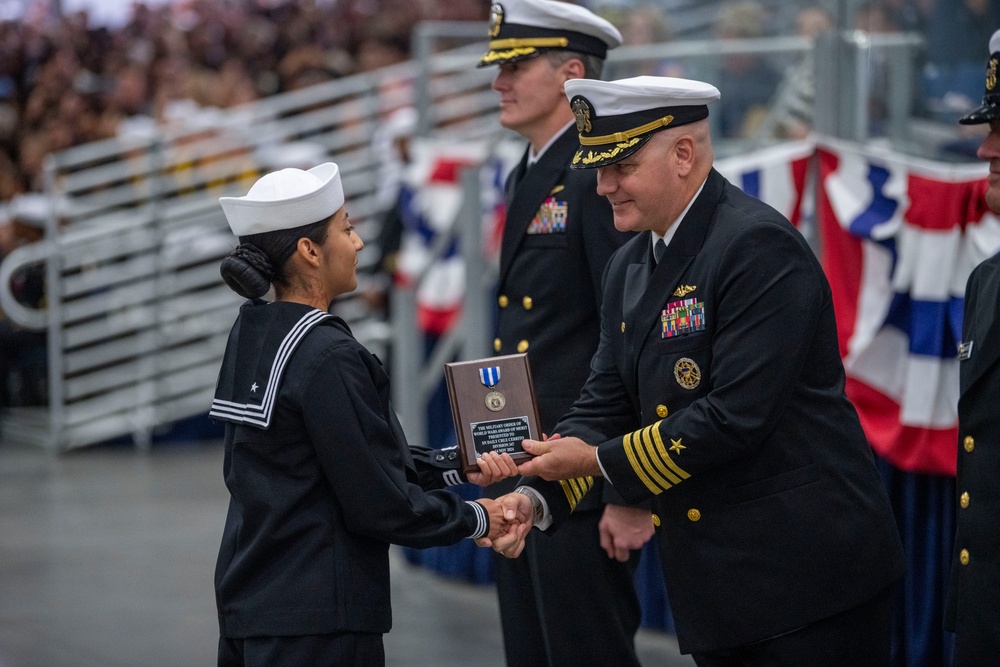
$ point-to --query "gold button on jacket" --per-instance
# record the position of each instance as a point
(503, 300)
(656, 519)
(522, 346)
(963, 556)
(694, 514)
(969, 443)
(964, 500)
(497, 344)
(661, 411)
(527, 302)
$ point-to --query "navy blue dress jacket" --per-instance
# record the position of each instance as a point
(717, 391)
(973, 607)
(321, 480)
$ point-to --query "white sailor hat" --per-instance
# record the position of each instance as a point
(286, 199)
(990, 110)
(616, 118)
(521, 29)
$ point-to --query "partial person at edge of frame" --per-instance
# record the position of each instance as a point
(972, 609)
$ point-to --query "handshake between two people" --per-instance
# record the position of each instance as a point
(512, 515)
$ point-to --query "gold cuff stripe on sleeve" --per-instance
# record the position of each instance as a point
(630, 452)
(621, 137)
(665, 454)
(535, 42)
(648, 458)
(654, 449)
(570, 495)
(576, 489)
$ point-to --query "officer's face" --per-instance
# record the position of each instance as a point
(340, 256)
(531, 92)
(989, 150)
(642, 187)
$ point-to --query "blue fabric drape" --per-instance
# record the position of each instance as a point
(652, 591)
(925, 513)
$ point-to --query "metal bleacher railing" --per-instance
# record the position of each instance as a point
(136, 313)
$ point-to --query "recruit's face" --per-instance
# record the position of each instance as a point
(989, 150)
(642, 187)
(340, 256)
(531, 91)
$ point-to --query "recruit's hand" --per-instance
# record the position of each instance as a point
(518, 514)
(495, 511)
(624, 529)
(560, 458)
(493, 467)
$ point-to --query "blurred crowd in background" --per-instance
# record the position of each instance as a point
(64, 81)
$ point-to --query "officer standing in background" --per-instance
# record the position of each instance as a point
(570, 598)
(973, 607)
(717, 392)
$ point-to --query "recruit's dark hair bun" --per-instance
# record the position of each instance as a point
(247, 271)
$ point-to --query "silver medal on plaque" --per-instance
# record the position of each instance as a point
(489, 377)
(495, 401)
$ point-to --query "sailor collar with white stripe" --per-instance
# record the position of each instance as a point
(256, 368)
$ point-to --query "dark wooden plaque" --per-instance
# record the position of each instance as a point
(492, 418)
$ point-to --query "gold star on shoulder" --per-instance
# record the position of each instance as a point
(676, 446)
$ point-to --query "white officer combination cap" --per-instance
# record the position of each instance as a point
(990, 110)
(522, 29)
(286, 199)
(616, 118)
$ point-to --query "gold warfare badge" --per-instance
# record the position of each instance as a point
(687, 373)
(684, 290)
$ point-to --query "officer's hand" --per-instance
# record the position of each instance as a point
(624, 529)
(560, 458)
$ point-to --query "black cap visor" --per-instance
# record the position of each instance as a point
(988, 112)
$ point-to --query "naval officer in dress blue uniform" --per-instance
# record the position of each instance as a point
(557, 239)
(717, 392)
(973, 607)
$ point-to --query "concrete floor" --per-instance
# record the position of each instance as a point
(107, 555)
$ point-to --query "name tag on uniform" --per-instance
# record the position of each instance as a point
(964, 350)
